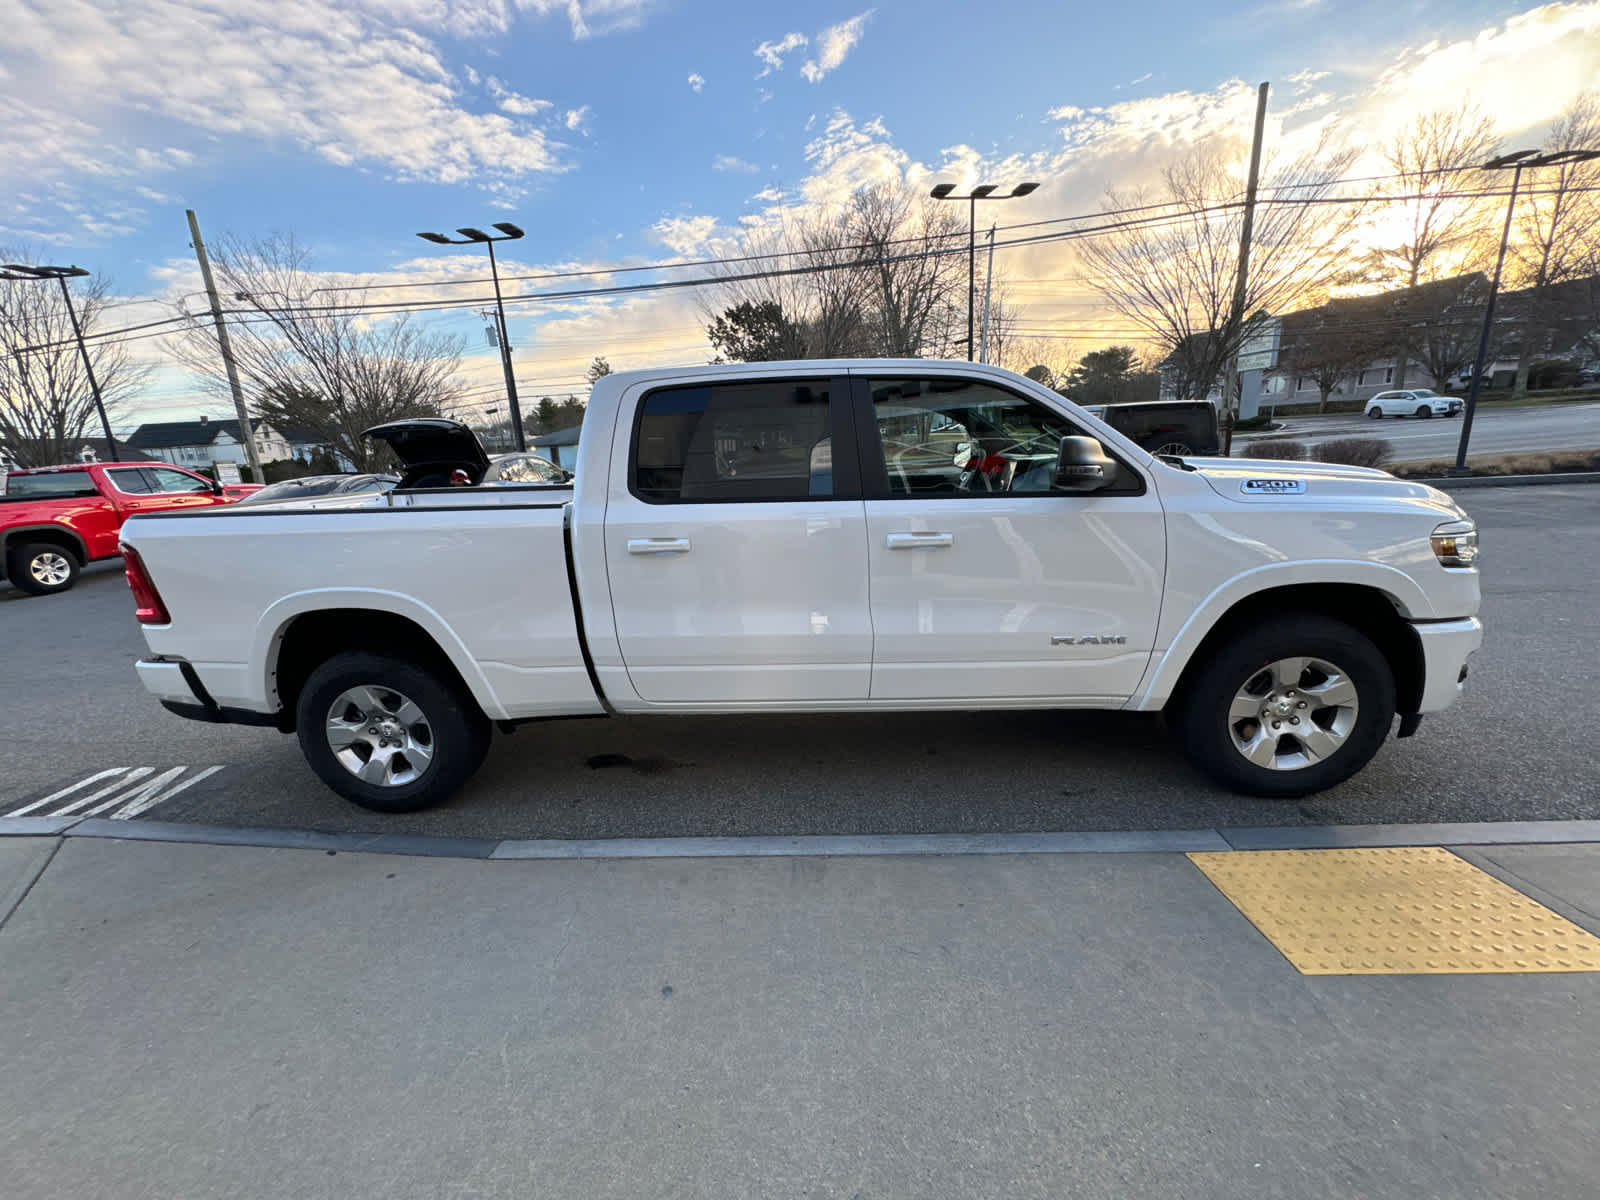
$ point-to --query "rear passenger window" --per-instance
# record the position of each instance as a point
(768, 440)
(131, 481)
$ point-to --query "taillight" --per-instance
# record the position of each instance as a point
(150, 610)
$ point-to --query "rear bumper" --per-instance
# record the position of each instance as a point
(1446, 647)
(176, 683)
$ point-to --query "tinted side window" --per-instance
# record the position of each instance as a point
(131, 481)
(68, 483)
(177, 481)
(734, 441)
(950, 437)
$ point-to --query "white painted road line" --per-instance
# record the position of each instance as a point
(90, 799)
(67, 791)
(129, 792)
(148, 797)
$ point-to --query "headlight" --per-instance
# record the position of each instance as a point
(1455, 543)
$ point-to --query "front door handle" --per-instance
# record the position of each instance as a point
(920, 541)
(658, 545)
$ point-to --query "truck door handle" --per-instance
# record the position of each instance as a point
(920, 541)
(658, 545)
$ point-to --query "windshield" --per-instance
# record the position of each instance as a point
(1421, 392)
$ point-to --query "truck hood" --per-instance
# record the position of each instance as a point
(1264, 480)
(432, 446)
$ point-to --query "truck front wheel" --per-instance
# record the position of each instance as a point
(388, 734)
(1292, 706)
(42, 567)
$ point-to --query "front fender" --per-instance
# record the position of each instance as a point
(1166, 667)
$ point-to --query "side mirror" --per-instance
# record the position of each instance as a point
(216, 487)
(1083, 466)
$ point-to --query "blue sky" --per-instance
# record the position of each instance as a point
(631, 130)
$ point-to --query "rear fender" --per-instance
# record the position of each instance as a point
(273, 624)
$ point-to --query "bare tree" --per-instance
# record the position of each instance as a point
(1328, 346)
(1443, 231)
(1172, 272)
(312, 358)
(46, 404)
(878, 276)
(1558, 229)
(911, 272)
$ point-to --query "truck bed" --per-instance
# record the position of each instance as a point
(416, 555)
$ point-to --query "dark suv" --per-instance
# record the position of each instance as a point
(1183, 427)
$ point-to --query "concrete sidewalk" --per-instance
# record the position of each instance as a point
(184, 1020)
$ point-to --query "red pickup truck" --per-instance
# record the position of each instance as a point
(53, 520)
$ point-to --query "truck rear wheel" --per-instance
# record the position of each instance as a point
(40, 568)
(388, 734)
(1292, 706)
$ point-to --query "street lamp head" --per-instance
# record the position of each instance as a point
(1023, 189)
(1557, 157)
(437, 238)
(510, 230)
(1513, 159)
(984, 190)
(941, 190)
(474, 235)
(25, 271)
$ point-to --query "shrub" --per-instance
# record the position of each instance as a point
(1354, 452)
(1246, 424)
(1277, 448)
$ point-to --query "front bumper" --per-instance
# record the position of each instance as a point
(1446, 647)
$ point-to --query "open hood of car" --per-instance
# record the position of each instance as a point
(430, 448)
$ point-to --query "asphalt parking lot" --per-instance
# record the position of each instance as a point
(1566, 426)
(1520, 746)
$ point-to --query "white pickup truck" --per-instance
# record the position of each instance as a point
(818, 536)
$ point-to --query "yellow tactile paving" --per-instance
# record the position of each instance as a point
(1409, 911)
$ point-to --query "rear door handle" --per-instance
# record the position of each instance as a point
(920, 541)
(660, 545)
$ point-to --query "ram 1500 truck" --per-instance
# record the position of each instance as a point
(55, 520)
(819, 536)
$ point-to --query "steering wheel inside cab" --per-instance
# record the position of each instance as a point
(982, 470)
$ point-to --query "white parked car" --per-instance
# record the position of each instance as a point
(819, 536)
(1412, 402)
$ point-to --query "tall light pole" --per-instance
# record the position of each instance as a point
(61, 275)
(1516, 163)
(984, 191)
(469, 236)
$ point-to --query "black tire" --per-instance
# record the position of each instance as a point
(457, 732)
(1201, 711)
(1425, 412)
(1376, 414)
(37, 568)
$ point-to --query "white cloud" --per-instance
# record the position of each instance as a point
(697, 82)
(514, 102)
(588, 18)
(684, 235)
(772, 53)
(728, 162)
(577, 119)
(834, 44)
(348, 84)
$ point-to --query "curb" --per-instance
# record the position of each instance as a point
(1168, 841)
(1450, 484)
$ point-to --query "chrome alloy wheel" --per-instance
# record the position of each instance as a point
(50, 568)
(379, 736)
(1293, 713)
(1174, 449)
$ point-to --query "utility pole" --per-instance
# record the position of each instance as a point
(1242, 282)
(988, 291)
(246, 434)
